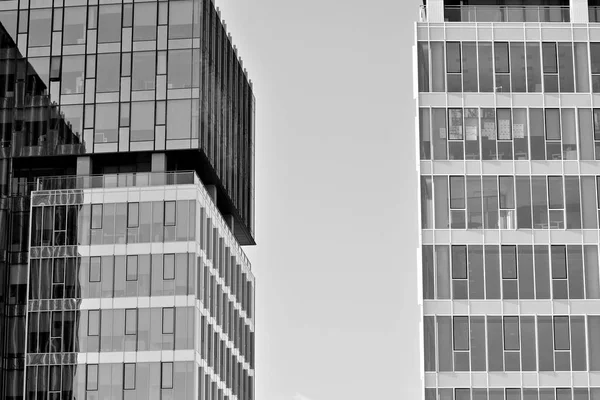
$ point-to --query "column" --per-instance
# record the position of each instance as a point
(435, 10)
(579, 11)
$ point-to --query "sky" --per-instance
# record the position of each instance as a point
(336, 196)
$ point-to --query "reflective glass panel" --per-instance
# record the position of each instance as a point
(108, 75)
(109, 23)
(142, 121)
(144, 24)
(143, 70)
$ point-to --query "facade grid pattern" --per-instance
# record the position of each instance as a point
(508, 128)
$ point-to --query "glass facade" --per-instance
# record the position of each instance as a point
(509, 166)
(121, 276)
(181, 325)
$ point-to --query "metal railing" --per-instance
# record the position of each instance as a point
(135, 179)
(147, 179)
(502, 13)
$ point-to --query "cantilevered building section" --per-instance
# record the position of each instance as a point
(509, 147)
(126, 193)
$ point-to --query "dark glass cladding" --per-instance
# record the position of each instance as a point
(108, 68)
(148, 78)
(227, 120)
(32, 127)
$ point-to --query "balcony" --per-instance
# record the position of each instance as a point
(502, 13)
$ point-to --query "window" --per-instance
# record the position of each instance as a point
(179, 69)
(109, 23)
(460, 286)
(517, 58)
(142, 121)
(93, 17)
(169, 213)
(133, 215)
(461, 333)
(556, 202)
(423, 65)
(126, 64)
(55, 68)
(144, 25)
(455, 136)
(132, 268)
(502, 58)
(509, 273)
(93, 323)
(124, 116)
(168, 320)
(511, 333)
(39, 27)
(469, 61)
(107, 123)
(550, 64)
(582, 69)
(559, 272)
(95, 269)
(486, 69)
(562, 344)
(127, 15)
(180, 19)
(453, 66)
(534, 73)
(131, 322)
(9, 21)
(179, 118)
(72, 80)
(565, 67)
(143, 70)
(461, 343)
(169, 267)
(92, 377)
(166, 376)
(457, 202)
(595, 56)
(74, 29)
(108, 75)
(129, 377)
(58, 275)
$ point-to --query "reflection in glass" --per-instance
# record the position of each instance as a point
(180, 19)
(107, 123)
(179, 69)
(144, 24)
(486, 69)
(143, 70)
(72, 80)
(39, 27)
(469, 59)
(108, 73)
(73, 115)
(74, 29)
(109, 24)
(142, 121)
(179, 116)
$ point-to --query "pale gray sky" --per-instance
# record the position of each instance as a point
(336, 310)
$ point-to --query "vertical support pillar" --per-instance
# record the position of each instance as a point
(84, 166)
(158, 162)
(435, 10)
(579, 12)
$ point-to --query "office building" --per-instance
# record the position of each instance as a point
(126, 193)
(509, 165)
